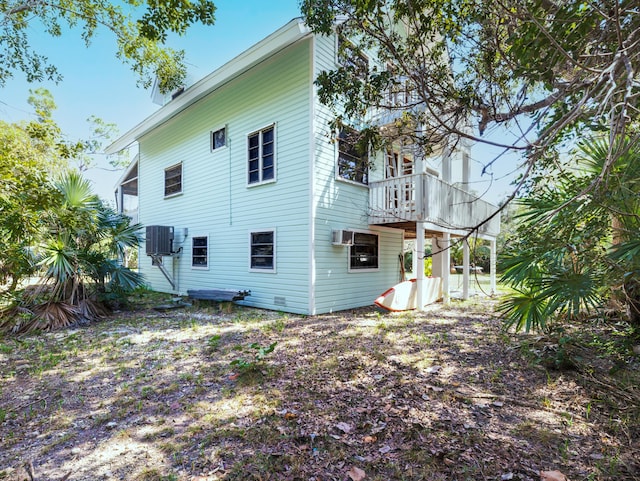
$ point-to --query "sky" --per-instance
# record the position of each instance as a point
(97, 84)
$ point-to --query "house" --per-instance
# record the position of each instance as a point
(242, 186)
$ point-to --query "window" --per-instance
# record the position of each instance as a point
(173, 180)
(363, 254)
(350, 57)
(352, 164)
(261, 156)
(199, 252)
(263, 251)
(218, 138)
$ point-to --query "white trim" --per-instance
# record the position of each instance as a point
(287, 35)
(275, 245)
(201, 268)
(366, 269)
(275, 155)
(313, 98)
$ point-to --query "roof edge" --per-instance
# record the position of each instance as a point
(288, 34)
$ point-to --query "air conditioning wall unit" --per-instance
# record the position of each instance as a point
(342, 237)
(159, 240)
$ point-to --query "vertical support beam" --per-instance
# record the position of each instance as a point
(446, 266)
(466, 170)
(492, 266)
(419, 255)
(414, 259)
(446, 165)
(465, 269)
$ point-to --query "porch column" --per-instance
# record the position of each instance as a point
(465, 270)
(492, 266)
(446, 266)
(414, 258)
(419, 256)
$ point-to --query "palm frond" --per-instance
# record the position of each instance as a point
(524, 309)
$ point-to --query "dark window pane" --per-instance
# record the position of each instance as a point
(363, 254)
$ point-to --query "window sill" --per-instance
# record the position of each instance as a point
(352, 182)
(171, 196)
(257, 184)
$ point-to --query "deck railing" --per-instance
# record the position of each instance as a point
(425, 197)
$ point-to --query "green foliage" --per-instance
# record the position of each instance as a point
(576, 241)
(140, 29)
(254, 362)
(53, 226)
(560, 67)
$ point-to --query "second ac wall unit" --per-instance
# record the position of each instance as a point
(342, 237)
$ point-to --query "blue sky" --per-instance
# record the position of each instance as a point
(97, 83)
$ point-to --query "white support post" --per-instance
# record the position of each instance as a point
(419, 255)
(492, 266)
(414, 259)
(445, 265)
(465, 270)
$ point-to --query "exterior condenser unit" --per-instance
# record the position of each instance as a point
(159, 240)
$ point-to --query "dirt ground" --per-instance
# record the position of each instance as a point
(194, 394)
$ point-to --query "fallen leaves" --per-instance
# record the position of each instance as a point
(356, 474)
(552, 476)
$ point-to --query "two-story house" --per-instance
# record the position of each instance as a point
(241, 174)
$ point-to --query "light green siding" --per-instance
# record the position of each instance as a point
(338, 204)
(216, 200)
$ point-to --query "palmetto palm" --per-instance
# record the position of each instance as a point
(567, 261)
(80, 258)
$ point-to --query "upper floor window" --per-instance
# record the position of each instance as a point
(363, 254)
(261, 155)
(353, 164)
(263, 254)
(200, 252)
(218, 138)
(351, 57)
(173, 180)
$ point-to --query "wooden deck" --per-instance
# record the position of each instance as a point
(407, 199)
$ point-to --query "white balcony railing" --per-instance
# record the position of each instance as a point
(425, 197)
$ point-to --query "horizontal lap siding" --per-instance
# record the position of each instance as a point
(217, 201)
(344, 205)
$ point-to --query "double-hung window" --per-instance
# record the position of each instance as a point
(353, 164)
(261, 156)
(200, 252)
(173, 180)
(263, 252)
(363, 253)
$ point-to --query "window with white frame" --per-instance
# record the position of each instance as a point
(263, 250)
(353, 164)
(261, 155)
(218, 138)
(200, 252)
(173, 180)
(363, 253)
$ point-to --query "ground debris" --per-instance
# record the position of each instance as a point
(346, 396)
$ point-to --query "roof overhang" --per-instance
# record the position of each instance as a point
(285, 36)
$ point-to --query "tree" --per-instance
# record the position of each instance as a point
(140, 27)
(551, 70)
(52, 226)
